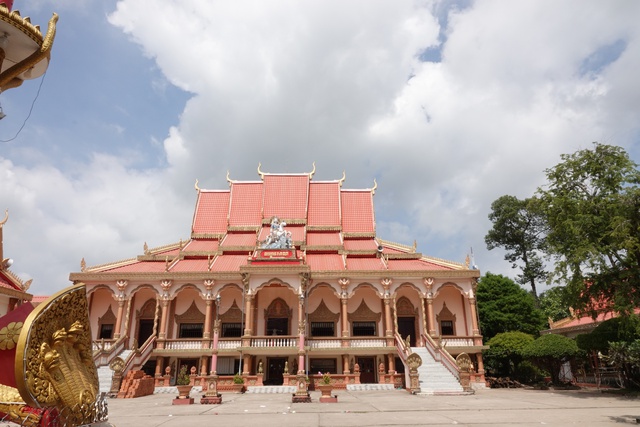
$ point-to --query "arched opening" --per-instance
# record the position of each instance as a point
(407, 315)
(277, 317)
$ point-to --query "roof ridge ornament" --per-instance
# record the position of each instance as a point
(6, 217)
(260, 172)
(375, 185)
(196, 186)
(344, 176)
(313, 171)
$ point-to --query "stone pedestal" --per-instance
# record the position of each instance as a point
(211, 396)
(182, 401)
(302, 393)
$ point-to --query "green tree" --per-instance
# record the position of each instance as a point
(618, 329)
(505, 352)
(553, 303)
(503, 306)
(625, 357)
(592, 209)
(549, 352)
(518, 227)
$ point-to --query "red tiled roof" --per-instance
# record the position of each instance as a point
(8, 283)
(229, 262)
(360, 245)
(246, 204)
(357, 211)
(212, 209)
(239, 239)
(323, 239)
(414, 264)
(324, 204)
(325, 262)
(205, 245)
(286, 196)
(185, 265)
(356, 263)
(139, 267)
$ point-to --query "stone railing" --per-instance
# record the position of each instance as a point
(274, 341)
(183, 344)
(355, 342)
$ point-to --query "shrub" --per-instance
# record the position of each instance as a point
(183, 376)
(549, 352)
(237, 379)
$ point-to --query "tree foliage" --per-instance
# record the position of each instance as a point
(550, 351)
(592, 210)
(618, 329)
(553, 303)
(518, 227)
(505, 352)
(503, 306)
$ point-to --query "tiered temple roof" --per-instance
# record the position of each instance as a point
(333, 231)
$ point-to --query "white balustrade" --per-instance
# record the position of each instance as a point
(457, 342)
(274, 342)
(360, 343)
(183, 345)
(229, 345)
(325, 343)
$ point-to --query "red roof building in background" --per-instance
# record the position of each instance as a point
(282, 276)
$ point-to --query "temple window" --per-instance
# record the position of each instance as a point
(231, 330)
(322, 365)
(364, 329)
(227, 365)
(106, 331)
(447, 321)
(191, 330)
(446, 327)
(323, 329)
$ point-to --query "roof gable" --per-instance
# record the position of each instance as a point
(357, 211)
(286, 196)
(246, 204)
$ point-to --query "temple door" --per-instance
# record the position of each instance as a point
(277, 317)
(367, 370)
(407, 315)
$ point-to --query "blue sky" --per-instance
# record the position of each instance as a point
(448, 105)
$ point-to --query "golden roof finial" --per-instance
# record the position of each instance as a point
(229, 179)
(375, 185)
(196, 186)
(260, 172)
(313, 171)
(6, 217)
(83, 265)
(344, 176)
(415, 245)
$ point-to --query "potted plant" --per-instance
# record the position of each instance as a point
(238, 383)
(183, 383)
(324, 385)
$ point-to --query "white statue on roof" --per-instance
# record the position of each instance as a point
(278, 238)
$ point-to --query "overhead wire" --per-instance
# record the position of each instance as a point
(30, 111)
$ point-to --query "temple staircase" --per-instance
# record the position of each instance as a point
(105, 374)
(434, 377)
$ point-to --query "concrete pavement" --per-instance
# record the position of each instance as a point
(491, 407)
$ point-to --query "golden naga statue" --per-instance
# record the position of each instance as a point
(55, 380)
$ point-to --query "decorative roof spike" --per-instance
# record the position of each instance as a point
(196, 186)
(375, 185)
(6, 217)
(344, 176)
(313, 171)
(145, 248)
(260, 172)
(229, 179)
(83, 265)
(415, 246)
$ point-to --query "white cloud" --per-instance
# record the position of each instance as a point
(340, 83)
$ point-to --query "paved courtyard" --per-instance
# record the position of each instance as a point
(497, 407)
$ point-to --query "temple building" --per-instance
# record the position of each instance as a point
(284, 275)
(13, 291)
